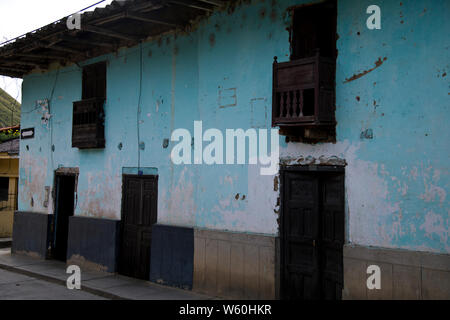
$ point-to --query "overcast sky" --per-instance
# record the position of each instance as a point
(21, 16)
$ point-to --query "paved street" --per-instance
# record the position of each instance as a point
(15, 286)
(23, 277)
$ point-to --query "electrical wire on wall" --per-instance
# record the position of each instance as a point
(139, 108)
(50, 100)
(50, 122)
(50, 126)
(37, 106)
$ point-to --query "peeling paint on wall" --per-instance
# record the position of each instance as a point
(396, 183)
(100, 193)
(33, 177)
(378, 63)
(435, 225)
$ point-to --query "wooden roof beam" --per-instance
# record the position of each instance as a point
(146, 7)
(104, 20)
(192, 5)
(216, 3)
(140, 17)
(64, 49)
(26, 63)
(107, 32)
(95, 43)
(143, 7)
(11, 74)
(40, 56)
(14, 69)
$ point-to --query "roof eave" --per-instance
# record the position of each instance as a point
(103, 31)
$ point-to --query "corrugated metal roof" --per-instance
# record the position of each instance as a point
(103, 30)
(11, 146)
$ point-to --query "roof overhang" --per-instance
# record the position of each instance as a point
(104, 30)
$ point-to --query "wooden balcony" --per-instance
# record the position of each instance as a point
(303, 92)
(88, 130)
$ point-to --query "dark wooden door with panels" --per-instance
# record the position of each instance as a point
(139, 213)
(312, 233)
(64, 208)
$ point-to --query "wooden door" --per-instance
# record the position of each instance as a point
(300, 232)
(332, 235)
(139, 213)
(64, 207)
(312, 234)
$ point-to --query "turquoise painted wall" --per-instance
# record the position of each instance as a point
(396, 183)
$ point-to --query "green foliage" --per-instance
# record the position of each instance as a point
(9, 110)
(9, 134)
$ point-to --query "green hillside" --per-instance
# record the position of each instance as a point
(9, 110)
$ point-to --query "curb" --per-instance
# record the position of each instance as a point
(39, 276)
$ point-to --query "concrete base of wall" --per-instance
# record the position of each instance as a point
(172, 256)
(404, 274)
(6, 223)
(31, 233)
(234, 265)
(93, 243)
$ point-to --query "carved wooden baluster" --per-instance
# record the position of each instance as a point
(278, 104)
(301, 103)
(288, 104)
(281, 104)
(296, 103)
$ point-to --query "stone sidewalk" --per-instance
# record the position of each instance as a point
(106, 285)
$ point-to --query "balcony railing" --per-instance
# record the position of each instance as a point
(303, 92)
(88, 124)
